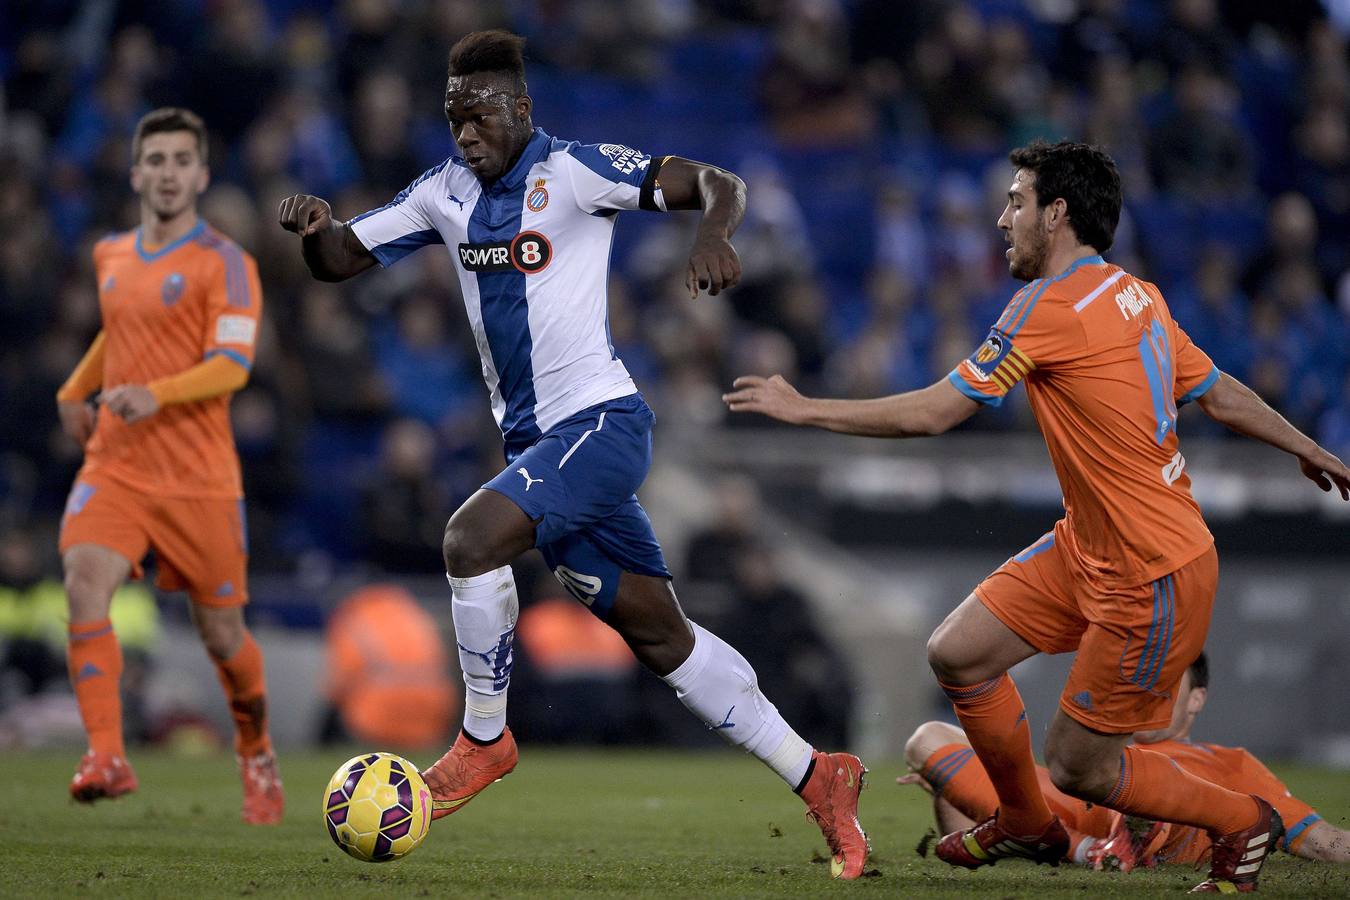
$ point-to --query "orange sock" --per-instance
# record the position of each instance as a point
(94, 660)
(1154, 787)
(995, 722)
(955, 774)
(246, 690)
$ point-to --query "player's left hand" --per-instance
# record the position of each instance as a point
(133, 402)
(772, 397)
(1326, 471)
(713, 266)
(915, 778)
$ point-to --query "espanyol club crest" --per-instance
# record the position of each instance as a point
(537, 199)
(171, 289)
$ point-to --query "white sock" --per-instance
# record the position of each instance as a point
(484, 609)
(718, 685)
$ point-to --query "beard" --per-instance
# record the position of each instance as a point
(1028, 259)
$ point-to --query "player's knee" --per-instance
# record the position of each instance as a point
(221, 631)
(926, 739)
(943, 654)
(464, 556)
(1077, 777)
(87, 597)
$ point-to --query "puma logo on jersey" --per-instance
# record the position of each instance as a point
(457, 200)
(525, 473)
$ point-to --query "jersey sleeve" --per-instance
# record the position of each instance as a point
(233, 307)
(1031, 334)
(611, 177)
(1196, 372)
(1297, 815)
(404, 224)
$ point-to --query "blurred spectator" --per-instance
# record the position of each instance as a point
(733, 525)
(342, 381)
(404, 507)
(388, 673)
(1291, 238)
(770, 622)
(807, 76)
(426, 374)
(1198, 151)
(582, 678)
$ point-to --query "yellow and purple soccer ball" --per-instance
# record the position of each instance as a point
(377, 807)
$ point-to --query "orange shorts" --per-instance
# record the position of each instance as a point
(1133, 643)
(200, 544)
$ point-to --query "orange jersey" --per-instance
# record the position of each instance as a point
(163, 313)
(1237, 770)
(1105, 369)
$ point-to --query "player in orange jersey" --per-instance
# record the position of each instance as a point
(944, 765)
(180, 304)
(1127, 577)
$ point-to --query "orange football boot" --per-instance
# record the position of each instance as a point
(987, 843)
(102, 775)
(264, 800)
(467, 768)
(831, 797)
(1236, 858)
(1133, 843)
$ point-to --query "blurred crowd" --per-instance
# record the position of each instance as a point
(873, 136)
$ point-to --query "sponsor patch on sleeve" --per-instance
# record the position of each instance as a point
(625, 159)
(236, 330)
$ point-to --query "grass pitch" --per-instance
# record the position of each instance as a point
(594, 823)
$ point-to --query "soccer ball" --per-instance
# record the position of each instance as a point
(377, 807)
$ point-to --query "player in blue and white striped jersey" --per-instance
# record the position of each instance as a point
(528, 221)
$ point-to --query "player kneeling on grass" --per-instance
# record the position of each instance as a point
(528, 220)
(180, 304)
(1127, 577)
(944, 765)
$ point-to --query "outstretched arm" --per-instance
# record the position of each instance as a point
(932, 410)
(685, 184)
(1324, 842)
(331, 249)
(1237, 406)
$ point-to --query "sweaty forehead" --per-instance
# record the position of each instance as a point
(479, 89)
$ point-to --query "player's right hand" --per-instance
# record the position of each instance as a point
(1327, 471)
(772, 397)
(77, 419)
(304, 214)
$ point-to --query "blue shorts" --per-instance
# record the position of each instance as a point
(579, 482)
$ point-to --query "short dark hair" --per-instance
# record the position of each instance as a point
(490, 51)
(1199, 672)
(1085, 177)
(168, 118)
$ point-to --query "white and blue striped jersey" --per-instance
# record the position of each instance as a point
(532, 251)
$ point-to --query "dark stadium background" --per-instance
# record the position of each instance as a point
(873, 136)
